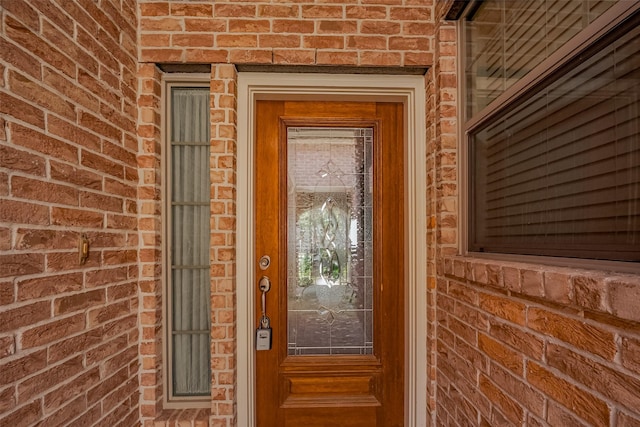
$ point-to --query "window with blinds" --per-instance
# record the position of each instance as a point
(188, 242)
(506, 39)
(556, 171)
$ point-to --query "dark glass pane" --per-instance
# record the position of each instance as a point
(558, 172)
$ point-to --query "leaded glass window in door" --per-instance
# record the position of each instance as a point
(330, 240)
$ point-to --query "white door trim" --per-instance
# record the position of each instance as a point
(409, 90)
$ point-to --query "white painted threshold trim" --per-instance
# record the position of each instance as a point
(409, 90)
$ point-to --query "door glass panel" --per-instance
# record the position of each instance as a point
(330, 241)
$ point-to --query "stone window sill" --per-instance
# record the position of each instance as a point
(613, 294)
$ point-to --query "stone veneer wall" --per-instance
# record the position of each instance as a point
(68, 147)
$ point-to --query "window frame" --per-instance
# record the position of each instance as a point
(170, 81)
(610, 19)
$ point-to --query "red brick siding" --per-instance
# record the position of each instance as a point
(223, 233)
(388, 32)
(441, 185)
(520, 355)
(68, 146)
(223, 210)
(150, 226)
(507, 343)
(514, 343)
(376, 33)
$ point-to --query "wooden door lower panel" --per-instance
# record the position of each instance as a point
(344, 416)
(321, 391)
(325, 389)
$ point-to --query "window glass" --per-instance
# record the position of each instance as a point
(506, 39)
(557, 172)
(330, 261)
(189, 279)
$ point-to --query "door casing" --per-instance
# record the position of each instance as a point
(410, 90)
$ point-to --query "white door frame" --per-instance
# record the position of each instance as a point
(410, 90)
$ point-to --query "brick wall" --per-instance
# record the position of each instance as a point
(223, 236)
(349, 33)
(150, 225)
(520, 343)
(441, 185)
(514, 343)
(507, 343)
(68, 146)
(222, 257)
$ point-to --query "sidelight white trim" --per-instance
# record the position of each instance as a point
(410, 90)
(169, 81)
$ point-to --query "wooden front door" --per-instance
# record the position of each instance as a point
(329, 236)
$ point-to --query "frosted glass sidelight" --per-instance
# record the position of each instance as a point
(330, 240)
(190, 216)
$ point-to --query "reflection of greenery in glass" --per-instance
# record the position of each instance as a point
(330, 265)
(305, 265)
(328, 221)
(317, 263)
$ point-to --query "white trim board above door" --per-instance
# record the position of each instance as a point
(409, 90)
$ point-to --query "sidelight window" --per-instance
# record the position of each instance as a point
(187, 242)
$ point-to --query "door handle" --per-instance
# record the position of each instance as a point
(264, 285)
(263, 333)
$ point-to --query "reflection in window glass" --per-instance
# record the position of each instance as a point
(558, 173)
(506, 39)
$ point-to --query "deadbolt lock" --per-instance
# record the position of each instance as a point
(265, 262)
